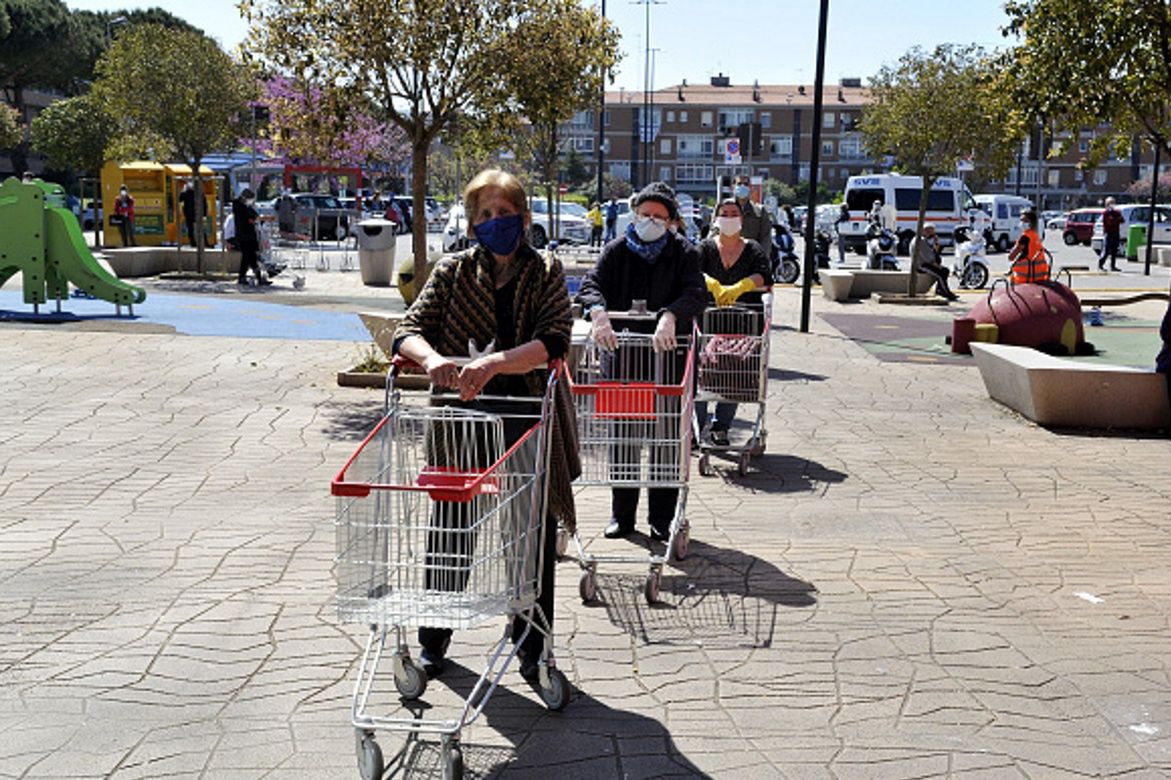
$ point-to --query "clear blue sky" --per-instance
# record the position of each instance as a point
(773, 41)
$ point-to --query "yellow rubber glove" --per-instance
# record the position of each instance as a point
(713, 286)
(729, 295)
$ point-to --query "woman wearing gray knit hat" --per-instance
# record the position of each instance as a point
(652, 264)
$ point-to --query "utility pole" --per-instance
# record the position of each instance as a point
(814, 163)
(644, 124)
(601, 150)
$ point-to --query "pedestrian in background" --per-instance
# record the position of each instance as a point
(840, 225)
(1111, 235)
(757, 224)
(124, 213)
(594, 215)
(611, 219)
(187, 201)
(246, 218)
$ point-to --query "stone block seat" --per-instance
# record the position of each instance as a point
(840, 284)
(1057, 392)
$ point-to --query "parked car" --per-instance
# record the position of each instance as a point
(322, 217)
(455, 231)
(1079, 226)
(1053, 220)
(1137, 214)
(572, 226)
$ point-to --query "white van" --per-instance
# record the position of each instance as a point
(1004, 218)
(948, 205)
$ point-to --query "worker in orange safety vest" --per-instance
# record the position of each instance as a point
(1027, 258)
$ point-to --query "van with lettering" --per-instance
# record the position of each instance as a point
(948, 205)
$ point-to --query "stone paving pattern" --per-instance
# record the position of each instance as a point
(914, 582)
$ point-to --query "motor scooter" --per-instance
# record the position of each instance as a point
(880, 248)
(971, 266)
(786, 267)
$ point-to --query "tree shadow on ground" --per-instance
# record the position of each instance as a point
(717, 596)
(352, 420)
(587, 739)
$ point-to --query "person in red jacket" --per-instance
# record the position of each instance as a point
(124, 214)
(1111, 229)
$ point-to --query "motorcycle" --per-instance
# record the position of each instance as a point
(786, 267)
(971, 267)
(880, 248)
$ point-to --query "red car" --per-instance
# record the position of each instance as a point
(1079, 226)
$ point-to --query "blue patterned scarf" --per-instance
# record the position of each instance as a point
(648, 252)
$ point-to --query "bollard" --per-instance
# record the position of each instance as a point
(963, 332)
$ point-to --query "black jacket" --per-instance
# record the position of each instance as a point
(245, 217)
(673, 282)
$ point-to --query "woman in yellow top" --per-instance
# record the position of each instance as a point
(594, 215)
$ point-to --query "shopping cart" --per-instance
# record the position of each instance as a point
(732, 353)
(440, 523)
(634, 423)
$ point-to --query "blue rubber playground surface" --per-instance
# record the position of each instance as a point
(200, 315)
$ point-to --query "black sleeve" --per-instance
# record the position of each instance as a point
(759, 262)
(693, 292)
(598, 281)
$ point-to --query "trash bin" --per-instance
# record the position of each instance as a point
(376, 240)
(1136, 236)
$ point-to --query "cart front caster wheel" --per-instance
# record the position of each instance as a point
(587, 587)
(651, 588)
(454, 770)
(556, 696)
(761, 442)
(370, 764)
(744, 458)
(705, 465)
(413, 680)
(682, 542)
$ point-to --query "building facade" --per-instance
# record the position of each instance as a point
(679, 135)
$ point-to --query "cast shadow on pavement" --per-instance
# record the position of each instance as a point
(784, 375)
(716, 596)
(775, 472)
(587, 740)
(349, 420)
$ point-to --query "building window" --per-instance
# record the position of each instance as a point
(694, 146)
(606, 146)
(1079, 175)
(781, 148)
(730, 119)
(1099, 177)
(620, 170)
(584, 144)
(1054, 178)
(1083, 146)
(850, 149)
(803, 172)
(665, 145)
(682, 117)
(665, 173)
(766, 119)
(693, 172)
(827, 148)
(606, 118)
(705, 118)
(670, 116)
(829, 120)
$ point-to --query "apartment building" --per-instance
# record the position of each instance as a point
(679, 133)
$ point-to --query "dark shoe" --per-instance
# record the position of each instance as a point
(431, 659)
(618, 529)
(529, 666)
(660, 532)
(719, 438)
(952, 297)
(1101, 266)
(1115, 268)
(265, 282)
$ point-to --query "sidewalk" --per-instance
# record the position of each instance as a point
(914, 582)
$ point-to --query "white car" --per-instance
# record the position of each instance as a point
(1136, 214)
(572, 225)
(455, 231)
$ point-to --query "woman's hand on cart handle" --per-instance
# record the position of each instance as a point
(664, 338)
(476, 374)
(601, 329)
(442, 371)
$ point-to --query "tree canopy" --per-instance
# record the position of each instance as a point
(932, 109)
(74, 133)
(11, 130)
(177, 86)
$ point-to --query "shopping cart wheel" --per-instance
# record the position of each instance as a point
(556, 696)
(454, 770)
(682, 541)
(705, 465)
(409, 678)
(744, 458)
(562, 542)
(370, 764)
(651, 588)
(758, 448)
(587, 587)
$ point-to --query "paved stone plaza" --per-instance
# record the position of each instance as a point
(913, 582)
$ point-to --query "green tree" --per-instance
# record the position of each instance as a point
(74, 133)
(419, 65)
(613, 187)
(781, 191)
(574, 171)
(555, 62)
(11, 130)
(932, 109)
(177, 86)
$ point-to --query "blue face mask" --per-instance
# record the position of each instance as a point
(741, 192)
(500, 235)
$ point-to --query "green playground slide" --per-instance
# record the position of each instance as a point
(68, 254)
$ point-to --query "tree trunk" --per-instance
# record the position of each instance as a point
(550, 173)
(924, 194)
(199, 217)
(419, 148)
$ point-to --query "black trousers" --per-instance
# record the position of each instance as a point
(190, 223)
(451, 535)
(249, 259)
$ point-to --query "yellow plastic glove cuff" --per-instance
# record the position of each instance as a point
(713, 286)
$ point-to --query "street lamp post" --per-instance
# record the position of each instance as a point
(814, 163)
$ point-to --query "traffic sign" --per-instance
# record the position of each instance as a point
(732, 151)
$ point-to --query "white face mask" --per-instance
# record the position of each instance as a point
(729, 226)
(649, 229)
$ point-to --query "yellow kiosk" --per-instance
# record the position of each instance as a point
(158, 217)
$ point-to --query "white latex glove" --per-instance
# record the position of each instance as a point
(665, 332)
(601, 330)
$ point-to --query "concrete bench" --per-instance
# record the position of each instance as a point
(840, 284)
(1065, 393)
